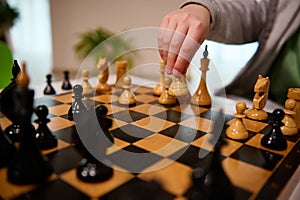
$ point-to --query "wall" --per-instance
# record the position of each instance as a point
(70, 18)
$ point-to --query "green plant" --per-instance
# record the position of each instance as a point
(8, 16)
(104, 43)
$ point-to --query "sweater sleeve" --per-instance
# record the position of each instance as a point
(235, 21)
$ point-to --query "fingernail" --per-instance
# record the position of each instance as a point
(168, 70)
(176, 73)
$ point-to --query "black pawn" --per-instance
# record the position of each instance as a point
(217, 185)
(90, 169)
(105, 123)
(66, 85)
(77, 106)
(7, 149)
(196, 191)
(44, 137)
(49, 90)
(275, 139)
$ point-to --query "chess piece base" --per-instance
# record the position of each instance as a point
(257, 114)
(237, 130)
(93, 172)
(103, 88)
(199, 101)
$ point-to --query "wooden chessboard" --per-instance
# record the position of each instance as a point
(255, 172)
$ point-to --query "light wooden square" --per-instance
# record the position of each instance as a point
(59, 110)
(65, 98)
(58, 123)
(173, 177)
(244, 175)
(160, 144)
(154, 124)
(198, 123)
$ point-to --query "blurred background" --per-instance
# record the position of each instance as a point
(47, 34)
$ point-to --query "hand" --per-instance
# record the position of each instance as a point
(181, 33)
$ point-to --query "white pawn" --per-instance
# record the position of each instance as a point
(237, 129)
(178, 88)
(87, 88)
(290, 126)
(166, 98)
(127, 97)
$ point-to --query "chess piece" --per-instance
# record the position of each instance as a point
(90, 169)
(274, 139)
(158, 89)
(44, 137)
(121, 71)
(127, 97)
(105, 123)
(77, 106)
(28, 166)
(237, 129)
(216, 178)
(290, 126)
(13, 131)
(202, 96)
(49, 90)
(7, 149)
(66, 85)
(102, 86)
(166, 98)
(261, 90)
(86, 86)
(6, 93)
(179, 89)
(294, 93)
(197, 189)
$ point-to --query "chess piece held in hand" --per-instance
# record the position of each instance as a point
(166, 98)
(159, 88)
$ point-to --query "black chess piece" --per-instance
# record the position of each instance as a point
(105, 123)
(92, 135)
(28, 166)
(275, 139)
(77, 106)
(216, 184)
(44, 137)
(7, 149)
(14, 130)
(197, 189)
(49, 90)
(66, 85)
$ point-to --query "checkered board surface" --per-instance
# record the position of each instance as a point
(255, 172)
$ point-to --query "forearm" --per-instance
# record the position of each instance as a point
(234, 21)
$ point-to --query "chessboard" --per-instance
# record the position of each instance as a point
(255, 171)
